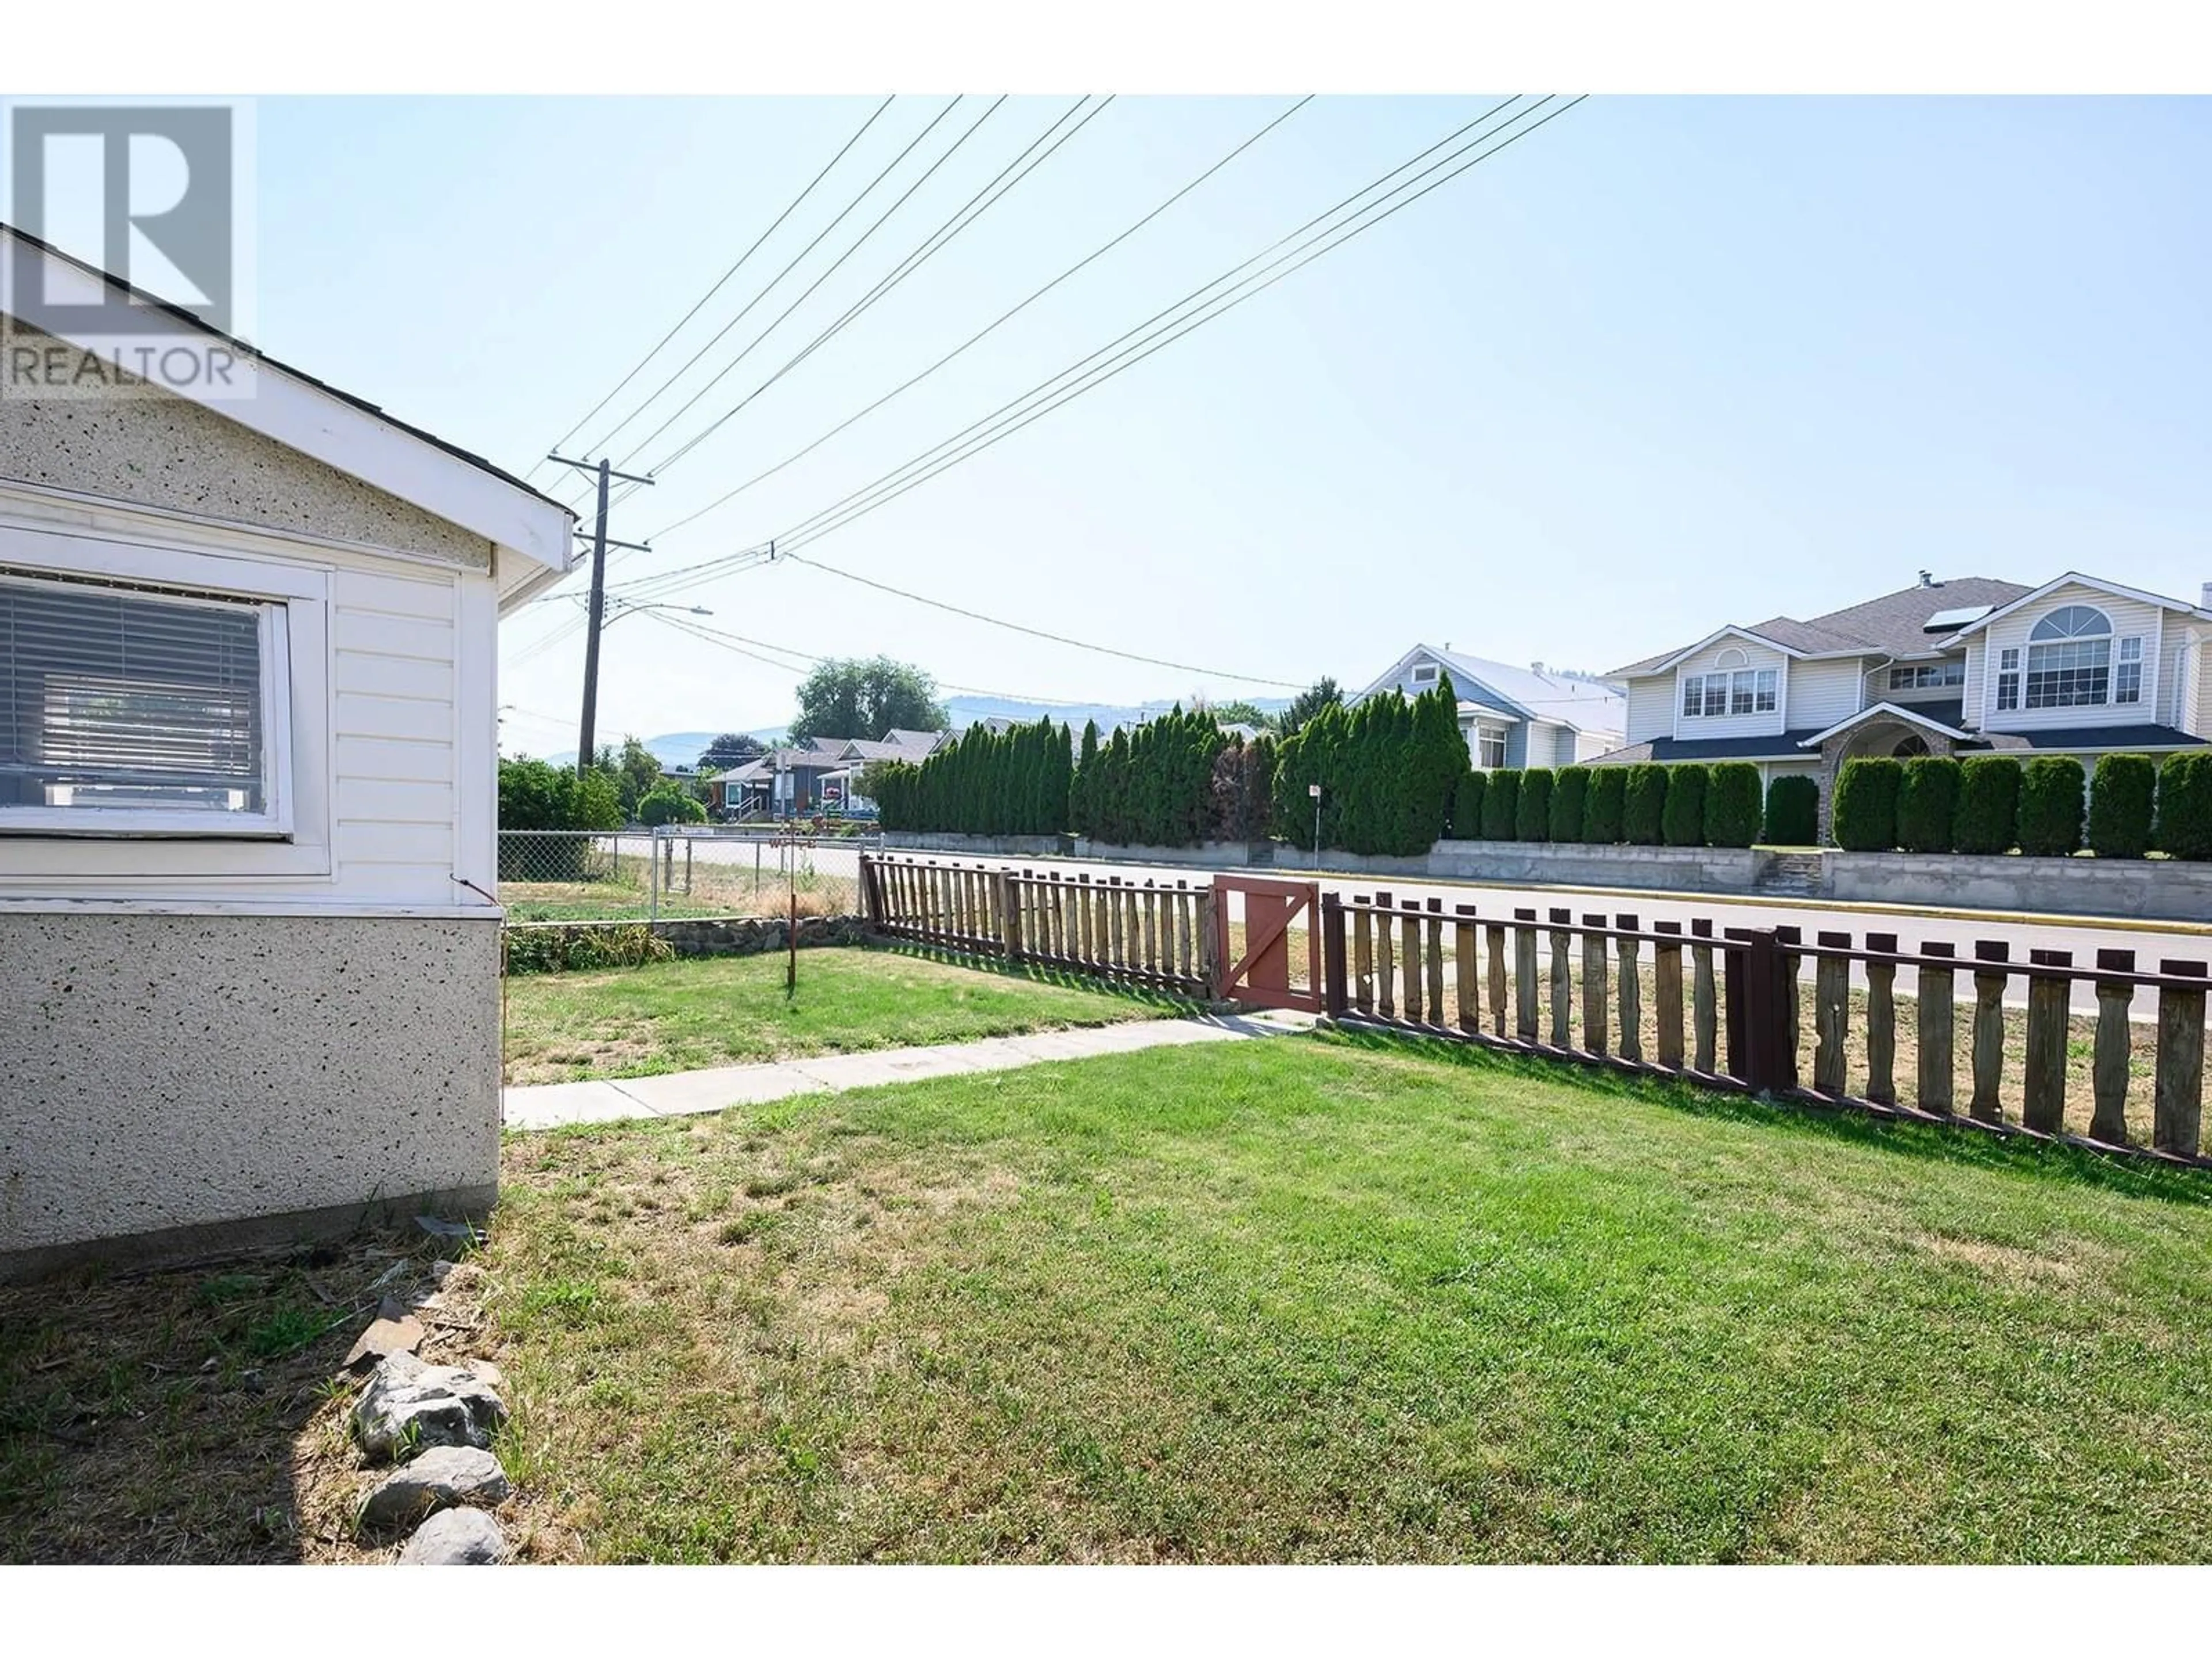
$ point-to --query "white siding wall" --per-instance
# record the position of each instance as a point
(1651, 708)
(1709, 661)
(393, 656)
(1821, 693)
(2128, 617)
(1976, 658)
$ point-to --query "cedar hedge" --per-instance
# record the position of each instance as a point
(1501, 805)
(1602, 808)
(1928, 804)
(1866, 804)
(2184, 805)
(1571, 804)
(2121, 794)
(1793, 811)
(1682, 823)
(1732, 804)
(1466, 806)
(1533, 820)
(1643, 808)
(2050, 824)
(1989, 804)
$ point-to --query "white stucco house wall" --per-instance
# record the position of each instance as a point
(1515, 717)
(249, 930)
(2080, 666)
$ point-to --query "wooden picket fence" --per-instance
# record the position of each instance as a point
(1726, 1012)
(1156, 934)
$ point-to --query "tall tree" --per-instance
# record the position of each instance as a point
(731, 749)
(856, 697)
(1324, 693)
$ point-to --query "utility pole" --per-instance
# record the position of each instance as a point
(586, 733)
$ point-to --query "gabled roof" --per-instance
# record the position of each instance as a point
(1892, 625)
(1526, 694)
(2075, 579)
(530, 529)
(1926, 716)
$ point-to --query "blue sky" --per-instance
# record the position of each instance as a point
(1669, 361)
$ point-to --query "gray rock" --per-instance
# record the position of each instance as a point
(456, 1538)
(409, 1405)
(439, 1479)
(389, 1334)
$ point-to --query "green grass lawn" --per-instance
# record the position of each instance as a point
(723, 1011)
(1336, 1298)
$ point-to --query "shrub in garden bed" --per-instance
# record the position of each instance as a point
(1989, 804)
(1501, 806)
(554, 949)
(1643, 806)
(1928, 804)
(1466, 806)
(1865, 819)
(1570, 803)
(1533, 819)
(2184, 805)
(1603, 806)
(1682, 823)
(1793, 811)
(2121, 794)
(2050, 823)
(1732, 804)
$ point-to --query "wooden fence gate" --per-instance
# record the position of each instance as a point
(1261, 973)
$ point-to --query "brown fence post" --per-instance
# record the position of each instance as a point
(1832, 1015)
(1989, 1028)
(1464, 976)
(1882, 1021)
(1631, 994)
(1765, 1024)
(2042, 1098)
(2108, 1078)
(1409, 939)
(1667, 993)
(1212, 965)
(1705, 996)
(1363, 956)
(1734, 956)
(1595, 1035)
(1332, 955)
(1933, 991)
(1563, 987)
(1494, 932)
(1386, 959)
(1436, 942)
(1787, 962)
(1524, 975)
(2179, 1100)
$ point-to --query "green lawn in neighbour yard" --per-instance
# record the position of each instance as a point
(722, 1010)
(1337, 1298)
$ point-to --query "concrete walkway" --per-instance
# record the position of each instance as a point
(675, 1094)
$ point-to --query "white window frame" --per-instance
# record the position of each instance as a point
(2008, 669)
(1927, 676)
(273, 624)
(297, 716)
(1483, 737)
(1424, 674)
(2128, 663)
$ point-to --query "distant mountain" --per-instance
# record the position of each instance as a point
(676, 747)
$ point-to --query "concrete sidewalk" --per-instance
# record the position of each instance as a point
(675, 1094)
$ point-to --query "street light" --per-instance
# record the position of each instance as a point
(627, 609)
(1314, 789)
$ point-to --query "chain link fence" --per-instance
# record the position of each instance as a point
(646, 875)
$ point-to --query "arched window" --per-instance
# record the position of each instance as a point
(1731, 658)
(1908, 747)
(2072, 622)
(2069, 663)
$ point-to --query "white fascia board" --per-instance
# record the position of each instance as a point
(1895, 710)
(303, 417)
(1734, 632)
(2075, 579)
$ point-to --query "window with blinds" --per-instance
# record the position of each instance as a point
(125, 708)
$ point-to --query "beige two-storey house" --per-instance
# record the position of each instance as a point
(2080, 666)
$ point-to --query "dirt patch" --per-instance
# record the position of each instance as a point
(2008, 1263)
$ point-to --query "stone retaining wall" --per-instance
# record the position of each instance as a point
(2164, 889)
(1567, 864)
(729, 936)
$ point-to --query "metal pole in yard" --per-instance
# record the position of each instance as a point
(791, 947)
(1314, 789)
(653, 881)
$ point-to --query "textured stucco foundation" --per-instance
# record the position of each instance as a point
(167, 1077)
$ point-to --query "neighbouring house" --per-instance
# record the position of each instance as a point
(797, 781)
(1971, 664)
(249, 923)
(1516, 717)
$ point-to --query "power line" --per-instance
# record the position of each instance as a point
(720, 282)
(1002, 421)
(1003, 317)
(933, 244)
(858, 243)
(769, 287)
